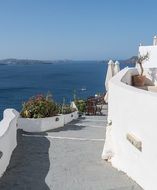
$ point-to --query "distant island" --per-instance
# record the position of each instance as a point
(131, 60)
(23, 61)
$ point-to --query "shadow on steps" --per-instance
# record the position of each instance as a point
(29, 165)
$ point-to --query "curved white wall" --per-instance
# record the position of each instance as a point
(45, 124)
(69, 117)
(40, 124)
(8, 140)
(132, 111)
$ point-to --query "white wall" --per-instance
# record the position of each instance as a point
(40, 124)
(8, 139)
(69, 117)
(45, 124)
(132, 111)
(152, 50)
(73, 105)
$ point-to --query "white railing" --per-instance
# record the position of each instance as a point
(8, 140)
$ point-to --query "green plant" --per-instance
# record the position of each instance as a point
(81, 105)
(66, 109)
(39, 106)
(141, 59)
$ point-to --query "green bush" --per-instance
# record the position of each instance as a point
(39, 107)
(66, 109)
(81, 105)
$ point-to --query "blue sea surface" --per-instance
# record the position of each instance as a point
(18, 82)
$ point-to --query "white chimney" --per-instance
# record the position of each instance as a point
(155, 41)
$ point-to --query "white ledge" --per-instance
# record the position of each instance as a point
(8, 140)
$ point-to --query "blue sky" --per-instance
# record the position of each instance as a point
(75, 29)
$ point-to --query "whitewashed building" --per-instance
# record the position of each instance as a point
(152, 50)
(131, 134)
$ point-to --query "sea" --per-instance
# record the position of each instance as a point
(19, 82)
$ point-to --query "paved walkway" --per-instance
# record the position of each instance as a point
(67, 158)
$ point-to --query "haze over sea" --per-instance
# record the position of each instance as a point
(18, 82)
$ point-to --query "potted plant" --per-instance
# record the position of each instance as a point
(40, 113)
(66, 109)
(69, 113)
(81, 105)
(139, 80)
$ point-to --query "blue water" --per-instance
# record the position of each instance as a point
(19, 82)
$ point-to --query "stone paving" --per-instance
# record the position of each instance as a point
(68, 158)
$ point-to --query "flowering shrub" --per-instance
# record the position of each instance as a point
(81, 105)
(66, 109)
(39, 107)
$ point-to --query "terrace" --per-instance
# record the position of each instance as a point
(64, 158)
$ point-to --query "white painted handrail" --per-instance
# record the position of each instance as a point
(8, 137)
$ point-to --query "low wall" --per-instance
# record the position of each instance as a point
(131, 134)
(73, 105)
(69, 117)
(76, 115)
(8, 139)
(45, 124)
(40, 124)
